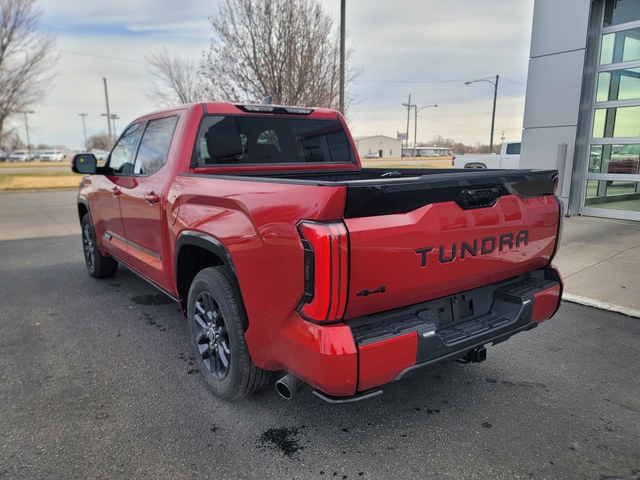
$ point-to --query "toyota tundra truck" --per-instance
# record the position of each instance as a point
(285, 255)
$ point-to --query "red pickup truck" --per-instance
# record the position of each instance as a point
(285, 254)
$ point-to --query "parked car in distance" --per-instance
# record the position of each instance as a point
(21, 156)
(100, 155)
(509, 158)
(372, 155)
(52, 156)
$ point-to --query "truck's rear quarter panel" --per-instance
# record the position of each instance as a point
(256, 221)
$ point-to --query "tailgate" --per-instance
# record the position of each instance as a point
(443, 248)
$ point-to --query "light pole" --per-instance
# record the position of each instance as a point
(409, 107)
(415, 126)
(495, 98)
(84, 128)
(112, 117)
(106, 97)
(26, 125)
(115, 117)
(343, 10)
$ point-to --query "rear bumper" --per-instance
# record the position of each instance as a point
(352, 358)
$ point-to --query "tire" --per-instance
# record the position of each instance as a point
(97, 264)
(216, 335)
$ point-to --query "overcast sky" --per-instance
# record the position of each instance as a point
(427, 48)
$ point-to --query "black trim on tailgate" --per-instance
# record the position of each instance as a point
(366, 198)
(377, 191)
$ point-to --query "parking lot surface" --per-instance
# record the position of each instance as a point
(97, 381)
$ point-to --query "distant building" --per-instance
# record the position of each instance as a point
(386, 147)
(583, 103)
(427, 152)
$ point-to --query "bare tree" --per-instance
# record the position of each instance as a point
(288, 49)
(99, 141)
(177, 80)
(27, 56)
(10, 141)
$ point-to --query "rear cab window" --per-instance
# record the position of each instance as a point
(261, 140)
(513, 149)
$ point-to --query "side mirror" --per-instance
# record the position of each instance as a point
(84, 163)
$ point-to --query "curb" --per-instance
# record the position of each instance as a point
(590, 302)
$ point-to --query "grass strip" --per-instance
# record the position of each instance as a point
(39, 181)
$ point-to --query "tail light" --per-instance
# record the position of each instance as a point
(453, 161)
(326, 270)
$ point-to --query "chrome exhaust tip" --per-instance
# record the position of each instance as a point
(288, 386)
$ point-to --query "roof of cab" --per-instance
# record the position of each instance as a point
(234, 109)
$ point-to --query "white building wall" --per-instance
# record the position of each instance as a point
(554, 85)
(391, 148)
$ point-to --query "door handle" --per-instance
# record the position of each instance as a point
(151, 198)
(115, 191)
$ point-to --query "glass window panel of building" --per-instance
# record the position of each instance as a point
(616, 122)
(617, 12)
(613, 195)
(620, 47)
(618, 85)
(618, 159)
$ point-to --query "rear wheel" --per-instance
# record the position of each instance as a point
(98, 265)
(216, 335)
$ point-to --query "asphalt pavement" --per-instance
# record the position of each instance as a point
(97, 381)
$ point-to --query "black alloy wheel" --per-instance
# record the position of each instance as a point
(89, 248)
(216, 321)
(213, 337)
(98, 265)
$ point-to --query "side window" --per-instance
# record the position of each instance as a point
(121, 159)
(154, 146)
(513, 149)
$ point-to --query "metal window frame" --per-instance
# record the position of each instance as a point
(593, 106)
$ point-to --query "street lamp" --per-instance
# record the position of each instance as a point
(495, 97)
(84, 128)
(415, 133)
(26, 124)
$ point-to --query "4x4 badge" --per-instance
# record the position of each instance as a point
(366, 292)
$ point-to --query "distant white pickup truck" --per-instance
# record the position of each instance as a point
(509, 158)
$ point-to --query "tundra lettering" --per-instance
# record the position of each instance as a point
(488, 246)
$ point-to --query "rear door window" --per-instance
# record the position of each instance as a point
(242, 139)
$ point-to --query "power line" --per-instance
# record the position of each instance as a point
(120, 59)
(513, 81)
(411, 81)
(445, 102)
